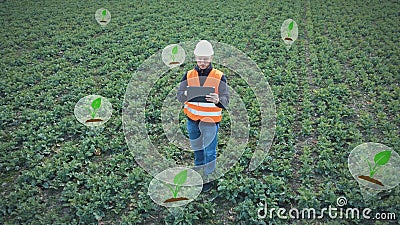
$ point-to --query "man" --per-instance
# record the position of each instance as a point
(203, 118)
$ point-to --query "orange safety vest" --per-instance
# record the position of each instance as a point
(204, 111)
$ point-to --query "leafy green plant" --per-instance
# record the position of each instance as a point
(290, 28)
(96, 104)
(174, 51)
(103, 14)
(179, 180)
(380, 159)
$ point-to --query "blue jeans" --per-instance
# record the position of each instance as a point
(203, 140)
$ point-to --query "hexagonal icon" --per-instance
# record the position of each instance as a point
(289, 32)
(173, 55)
(93, 110)
(375, 166)
(103, 16)
(175, 187)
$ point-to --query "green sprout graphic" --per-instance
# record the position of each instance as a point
(290, 28)
(380, 159)
(95, 107)
(179, 180)
(103, 14)
(174, 52)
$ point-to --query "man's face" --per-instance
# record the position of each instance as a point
(203, 61)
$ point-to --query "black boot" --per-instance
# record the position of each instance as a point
(207, 187)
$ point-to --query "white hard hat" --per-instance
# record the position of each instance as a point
(203, 48)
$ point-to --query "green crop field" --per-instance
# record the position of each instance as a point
(334, 89)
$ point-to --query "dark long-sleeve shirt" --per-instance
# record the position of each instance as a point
(223, 93)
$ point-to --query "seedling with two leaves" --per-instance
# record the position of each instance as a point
(103, 16)
(290, 28)
(380, 159)
(174, 51)
(179, 180)
(95, 106)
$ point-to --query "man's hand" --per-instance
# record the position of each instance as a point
(212, 97)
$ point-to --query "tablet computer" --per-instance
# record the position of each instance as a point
(198, 94)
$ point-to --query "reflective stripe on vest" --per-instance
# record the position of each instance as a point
(203, 110)
(202, 113)
(201, 106)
